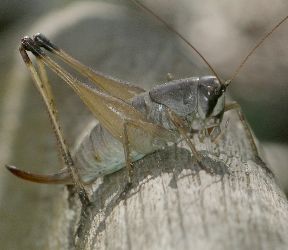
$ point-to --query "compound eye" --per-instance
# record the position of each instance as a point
(215, 87)
(206, 90)
(210, 87)
(218, 91)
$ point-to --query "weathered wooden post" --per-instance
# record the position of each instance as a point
(173, 204)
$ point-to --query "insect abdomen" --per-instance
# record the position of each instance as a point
(100, 154)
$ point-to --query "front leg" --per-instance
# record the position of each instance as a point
(127, 151)
(181, 127)
(216, 133)
(235, 105)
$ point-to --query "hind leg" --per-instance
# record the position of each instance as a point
(43, 86)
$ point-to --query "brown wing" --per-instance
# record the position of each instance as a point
(112, 86)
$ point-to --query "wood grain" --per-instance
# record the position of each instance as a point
(173, 204)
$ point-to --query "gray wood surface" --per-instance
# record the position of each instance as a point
(173, 204)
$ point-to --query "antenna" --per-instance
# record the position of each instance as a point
(169, 27)
(253, 50)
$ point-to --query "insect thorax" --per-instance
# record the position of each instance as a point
(187, 98)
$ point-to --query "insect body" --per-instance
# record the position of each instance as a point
(199, 101)
(132, 122)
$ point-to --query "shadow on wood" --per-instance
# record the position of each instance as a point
(173, 204)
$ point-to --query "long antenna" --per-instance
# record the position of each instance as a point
(254, 48)
(169, 27)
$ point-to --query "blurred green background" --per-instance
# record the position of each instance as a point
(127, 44)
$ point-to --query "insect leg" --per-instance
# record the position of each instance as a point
(235, 105)
(45, 90)
(217, 137)
(149, 136)
(46, 94)
(106, 83)
(179, 124)
(135, 130)
(127, 151)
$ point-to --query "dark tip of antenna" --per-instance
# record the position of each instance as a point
(26, 42)
(29, 45)
(44, 42)
(24, 55)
